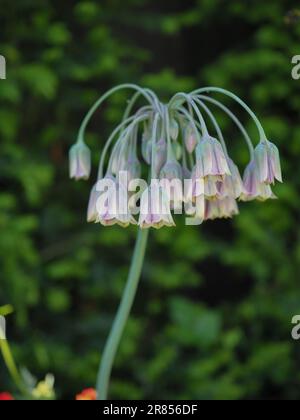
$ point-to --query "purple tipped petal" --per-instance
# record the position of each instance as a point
(80, 161)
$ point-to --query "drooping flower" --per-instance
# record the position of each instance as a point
(92, 213)
(194, 187)
(155, 208)
(268, 162)
(211, 160)
(253, 188)
(174, 129)
(190, 138)
(221, 209)
(232, 185)
(111, 199)
(160, 157)
(172, 173)
(6, 396)
(89, 394)
(80, 161)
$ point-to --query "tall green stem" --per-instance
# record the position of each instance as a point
(11, 365)
(116, 332)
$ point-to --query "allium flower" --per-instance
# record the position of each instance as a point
(89, 394)
(155, 208)
(268, 162)
(253, 188)
(232, 185)
(176, 146)
(160, 151)
(221, 209)
(112, 204)
(190, 138)
(80, 161)
(210, 158)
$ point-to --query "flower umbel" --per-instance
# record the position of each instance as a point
(176, 147)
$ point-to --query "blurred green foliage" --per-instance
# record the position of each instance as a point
(212, 318)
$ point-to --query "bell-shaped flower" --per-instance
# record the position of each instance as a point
(210, 158)
(253, 188)
(232, 185)
(171, 180)
(174, 129)
(160, 155)
(92, 213)
(155, 208)
(221, 209)
(268, 162)
(193, 187)
(190, 138)
(80, 161)
(109, 203)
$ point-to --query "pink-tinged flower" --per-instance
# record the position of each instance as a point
(174, 129)
(171, 178)
(221, 209)
(194, 187)
(268, 162)
(89, 394)
(160, 155)
(155, 208)
(210, 157)
(211, 191)
(109, 203)
(92, 213)
(253, 188)
(190, 138)
(6, 396)
(232, 185)
(80, 161)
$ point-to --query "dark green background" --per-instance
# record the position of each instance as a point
(212, 318)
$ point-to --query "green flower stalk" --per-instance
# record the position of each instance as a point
(189, 172)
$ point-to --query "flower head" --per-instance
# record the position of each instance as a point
(171, 144)
(80, 161)
(268, 162)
